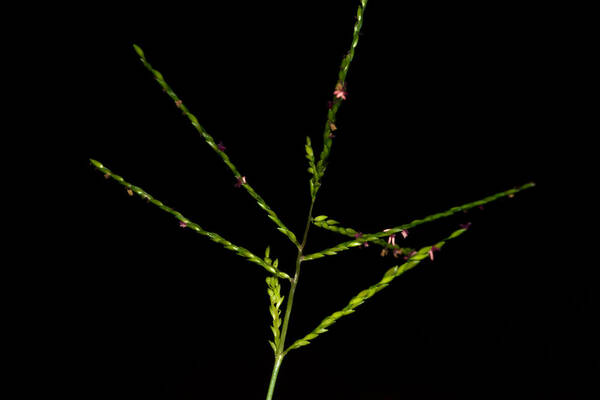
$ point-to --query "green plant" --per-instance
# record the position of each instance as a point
(316, 167)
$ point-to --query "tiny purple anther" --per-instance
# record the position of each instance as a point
(241, 181)
(330, 104)
(358, 235)
(404, 233)
(182, 224)
(465, 226)
(409, 255)
(221, 146)
(431, 251)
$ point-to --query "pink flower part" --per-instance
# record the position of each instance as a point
(221, 146)
(241, 181)
(412, 253)
(433, 249)
(397, 252)
(481, 207)
(182, 224)
(340, 94)
(465, 226)
(392, 239)
(340, 91)
(404, 233)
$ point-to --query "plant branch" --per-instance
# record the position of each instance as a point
(335, 104)
(189, 224)
(279, 348)
(364, 295)
(374, 236)
(211, 142)
(290, 301)
(322, 222)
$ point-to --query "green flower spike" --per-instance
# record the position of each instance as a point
(186, 223)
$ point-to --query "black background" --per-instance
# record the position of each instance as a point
(446, 105)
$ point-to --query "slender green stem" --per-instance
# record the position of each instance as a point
(290, 302)
(279, 353)
(308, 222)
(278, 361)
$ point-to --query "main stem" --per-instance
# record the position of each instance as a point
(288, 311)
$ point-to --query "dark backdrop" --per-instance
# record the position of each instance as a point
(446, 105)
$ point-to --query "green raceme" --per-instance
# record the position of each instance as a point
(375, 236)
(366, 294)
(211, 142)
(189, 224)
